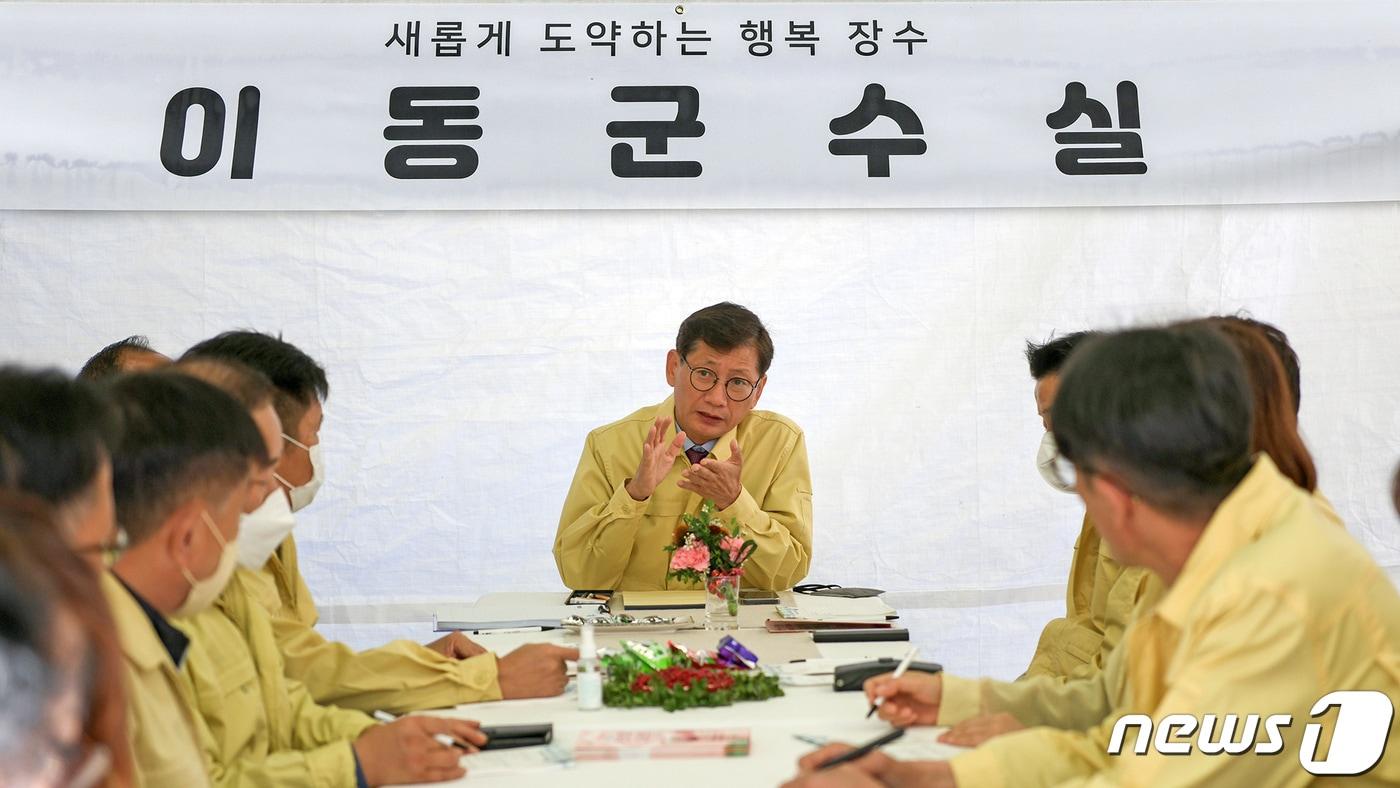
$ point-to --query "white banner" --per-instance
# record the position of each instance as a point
(572, 105)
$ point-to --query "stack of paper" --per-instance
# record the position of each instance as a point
(826, 608)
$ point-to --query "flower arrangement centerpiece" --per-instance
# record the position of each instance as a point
(674, 677)
(704, 551)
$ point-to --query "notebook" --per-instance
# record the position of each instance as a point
(663, 600)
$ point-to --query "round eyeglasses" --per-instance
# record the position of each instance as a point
(703, 379)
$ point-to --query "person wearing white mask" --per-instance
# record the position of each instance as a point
(1101, 595)
(179, 473)
(257, 725)
(400, 676)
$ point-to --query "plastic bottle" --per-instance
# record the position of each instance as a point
(590, 675)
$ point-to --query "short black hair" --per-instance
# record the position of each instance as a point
(1169, 410)
(298, 378)
(250, 387)
(181, 437)
(724, 327)
(108, 361)
(1286, 354)
(1047, 358)
(55, 433)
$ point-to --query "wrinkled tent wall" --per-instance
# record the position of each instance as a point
(469, 354)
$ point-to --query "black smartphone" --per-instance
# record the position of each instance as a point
(757, 596)
(505, 737)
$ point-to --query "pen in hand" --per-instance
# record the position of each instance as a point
(440, 738)
(898, 671)
(863, 750)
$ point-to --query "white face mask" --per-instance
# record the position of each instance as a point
(1045, 463)
(204, 592)
(303, 495)
(260, 531)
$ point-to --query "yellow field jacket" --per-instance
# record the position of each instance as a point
(606, 540)
(1275, 608)
(398, 677)
(260, 727)
(1101, 598)
(160, 706)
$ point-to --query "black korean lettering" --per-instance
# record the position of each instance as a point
(211, 137)
(688, 37)
(406, 40)
(657, 133)
(644, 35)
(432, 108)
(1117, 152)
(803, 36)
(604, 34)
(557, 34)
(759, 36)
(869, 44)
(448, 39)
(910, 36)
(877, 152)
(498, 32)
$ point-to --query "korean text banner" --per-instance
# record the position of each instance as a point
(575, 105)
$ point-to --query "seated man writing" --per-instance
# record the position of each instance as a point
(638, 476)
(1268, 609)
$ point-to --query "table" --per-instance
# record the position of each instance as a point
(814, 711)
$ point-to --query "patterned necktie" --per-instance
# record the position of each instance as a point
(695, 454)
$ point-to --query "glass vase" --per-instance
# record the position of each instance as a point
(722, 602)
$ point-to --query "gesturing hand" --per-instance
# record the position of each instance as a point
(718, 481)
(658, 455)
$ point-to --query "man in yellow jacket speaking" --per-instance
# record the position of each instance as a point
(637, 476)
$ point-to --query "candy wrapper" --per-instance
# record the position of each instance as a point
(653, 655)
(733, 654)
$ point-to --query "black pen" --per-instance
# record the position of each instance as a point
(863, 750)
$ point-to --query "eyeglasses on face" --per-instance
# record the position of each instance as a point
(703, 379)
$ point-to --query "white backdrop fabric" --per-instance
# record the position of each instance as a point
(469, 354)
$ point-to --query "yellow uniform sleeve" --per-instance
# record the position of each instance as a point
(1103, 598)
(398, 677)
(1073, 640)
(780, 524)
(328, 766)
(314, 725)
(1074, 704)
(594, 543)
(320, 752)
(1269, 669)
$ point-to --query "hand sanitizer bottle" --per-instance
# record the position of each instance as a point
(590, 675)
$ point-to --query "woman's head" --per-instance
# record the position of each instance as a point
(1275, 427)
(85, 703)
